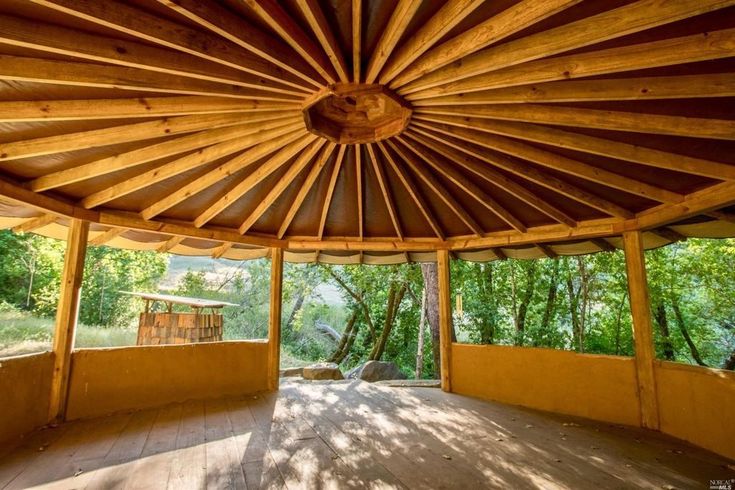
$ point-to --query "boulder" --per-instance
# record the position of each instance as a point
(292, 372)
(373, 371)
(322, 370)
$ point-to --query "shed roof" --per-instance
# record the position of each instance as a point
(365, 131)
(181, 300)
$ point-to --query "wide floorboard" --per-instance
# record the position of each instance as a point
(352, 435)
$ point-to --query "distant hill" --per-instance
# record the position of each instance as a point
(178, 265)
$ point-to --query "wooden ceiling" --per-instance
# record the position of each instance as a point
(521, 122)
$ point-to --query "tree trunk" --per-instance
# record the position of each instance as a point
(551, 297)
(525, 302)
(685, 333)
(585, 292)
(489, 323)
(662, 321)
(346, 341)
(618, 323)
(394, 303)
(431, 286)
(288, 327)
(422, 329)
(730, 362)
(30, 284)
(573, 305)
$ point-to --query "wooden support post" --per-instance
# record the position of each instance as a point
(640, 307)
(66, 316)
(445, 318)
(274, 321)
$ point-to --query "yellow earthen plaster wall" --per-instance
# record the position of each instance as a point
(110, 380)
(597, 387)
(25, 387)
(698, 405)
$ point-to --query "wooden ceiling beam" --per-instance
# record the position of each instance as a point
(74, 74)
(402, 15)
(304, 190)
(158, 30)
(603, 245)
(591, 144)
(218, 252)
(73, 42)
(213, 16)
(499, 254)
(528, 172)
(701, 202)
(385, 191)
(35, 223)
(444, 20)
(445, 196)
(669, 234)
(245, 159)
(704, 201)
(687, 49)
(150, 153)
(126, 133)
(170, 243)
(649, 88)
(567, 165)
(693, 127)
(463, 183)
(275, 162)
(106, 236)
(312, 12)
(280, 21)
(611, 24)
(496, 178)
(546, 250)
(330, 191)
(511, 20)
(414, 192)
(182, 165)
(356, 40)
(304, 158)
(722, 215)
(96, 109)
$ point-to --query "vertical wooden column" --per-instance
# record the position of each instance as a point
(640, 307)
(66, 316)
(445, 318)
(274, 320)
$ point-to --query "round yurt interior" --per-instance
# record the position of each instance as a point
(370, 135)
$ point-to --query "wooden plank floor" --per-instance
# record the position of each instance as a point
(352, 435)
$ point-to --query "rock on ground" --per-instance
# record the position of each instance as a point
(323, 370)
(373, 371)
(292, 372)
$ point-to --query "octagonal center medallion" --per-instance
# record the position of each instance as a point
(356, 113)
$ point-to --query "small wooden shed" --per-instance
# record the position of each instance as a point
(169, 327)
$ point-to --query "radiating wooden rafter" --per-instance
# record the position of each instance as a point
(594, 145)
(628, 19)
(402, 15)
(152, 28)
(448, 16)
(311, 178)
(212, 16)
(53, 39)
(330, 191)
(494, 29)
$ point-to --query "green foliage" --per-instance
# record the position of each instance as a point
(575, 303)
(107, 272)
(30, 278)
